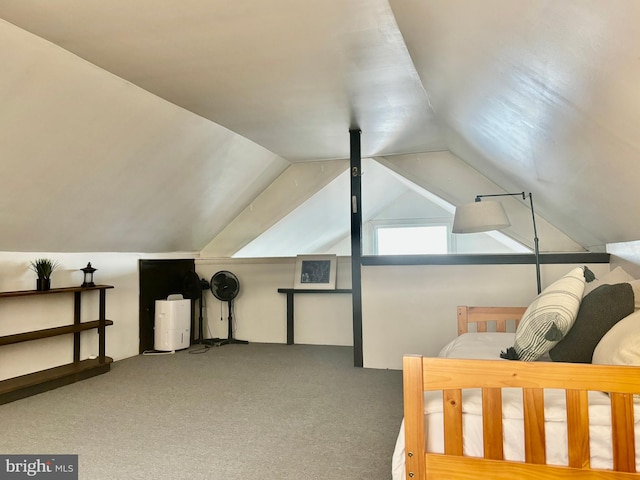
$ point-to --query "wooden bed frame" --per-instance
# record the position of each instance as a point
(451, 375)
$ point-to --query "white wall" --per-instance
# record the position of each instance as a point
(406, 309)
(35, 312)
(260, 311)
(412, 309)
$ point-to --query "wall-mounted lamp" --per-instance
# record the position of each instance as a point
(485, 216)
(88, 276)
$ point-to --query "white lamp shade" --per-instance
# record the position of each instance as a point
(480, 217)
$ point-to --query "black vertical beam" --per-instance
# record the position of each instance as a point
(102, 322)
(290, 334)
(77, 308)
(356, 245)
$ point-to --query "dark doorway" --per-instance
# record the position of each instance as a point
(159, 279)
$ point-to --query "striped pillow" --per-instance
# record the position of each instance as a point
(549, 317)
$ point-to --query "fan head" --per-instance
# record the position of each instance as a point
(193, 285)
(225, 286)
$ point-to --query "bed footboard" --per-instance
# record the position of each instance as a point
(451, 376)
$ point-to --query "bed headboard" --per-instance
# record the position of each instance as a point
(481, 316)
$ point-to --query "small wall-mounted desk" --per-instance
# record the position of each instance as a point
(290, 293)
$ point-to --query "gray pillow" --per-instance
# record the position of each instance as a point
(599, 310)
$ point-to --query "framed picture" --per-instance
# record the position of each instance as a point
(315, 272)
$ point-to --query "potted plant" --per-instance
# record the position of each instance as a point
(44, 267)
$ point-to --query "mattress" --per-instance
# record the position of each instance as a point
(488, 346)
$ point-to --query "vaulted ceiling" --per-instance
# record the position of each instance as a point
(153, 126)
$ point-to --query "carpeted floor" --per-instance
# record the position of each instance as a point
(250, 412)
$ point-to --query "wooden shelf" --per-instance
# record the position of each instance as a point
(50, 332)
(27, 293)
(38, 382)
(41, 381)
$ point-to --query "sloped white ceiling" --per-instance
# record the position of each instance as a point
(316, 216)
(449, 178)
(185, 111)
(288, 193)
(290, 76)
(539, 96)
(93, 163)
(323, 219)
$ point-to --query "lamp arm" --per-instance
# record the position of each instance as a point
(536, 248)
(520, 194)
(535, 243)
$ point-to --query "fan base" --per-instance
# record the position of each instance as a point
(230, 341)
(224, 341)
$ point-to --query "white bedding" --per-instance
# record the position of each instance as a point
(488, 346)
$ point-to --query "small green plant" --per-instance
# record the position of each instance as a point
(44, 267)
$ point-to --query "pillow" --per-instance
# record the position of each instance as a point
(548, 319)
(621, 344)
(477, 345)
(617, 275)
(599, 311)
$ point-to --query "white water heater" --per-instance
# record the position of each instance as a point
(172, 329)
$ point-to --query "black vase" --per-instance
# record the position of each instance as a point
(43, 284)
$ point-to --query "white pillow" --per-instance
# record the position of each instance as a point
(617, 275)
(549, 317)
(477, 345)
(621, 344)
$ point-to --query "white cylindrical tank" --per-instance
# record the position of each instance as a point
(172, 329)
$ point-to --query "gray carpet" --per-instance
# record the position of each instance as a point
(257, 411)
